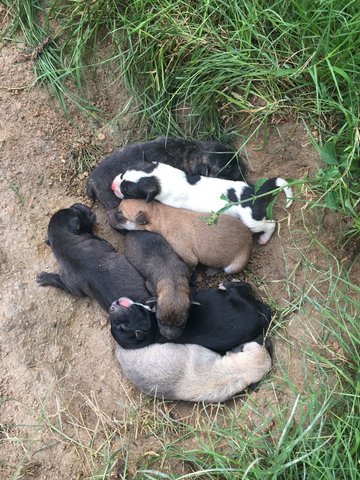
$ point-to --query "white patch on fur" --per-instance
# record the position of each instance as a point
(282, 183)
(205, 195)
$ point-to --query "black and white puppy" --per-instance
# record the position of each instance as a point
(194, 373)
(224, 318)
(89, 265)
(207, 158)
(174, 187)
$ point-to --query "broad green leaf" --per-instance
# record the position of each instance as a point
(328, 153)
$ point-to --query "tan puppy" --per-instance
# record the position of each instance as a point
(193, 373)
(226, 245)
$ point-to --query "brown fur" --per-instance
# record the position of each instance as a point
(167, 278)
(227, 245)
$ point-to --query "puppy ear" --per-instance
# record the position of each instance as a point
(151, 195)
(141, 218)
(140, 335)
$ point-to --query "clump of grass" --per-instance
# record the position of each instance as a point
(204, 68)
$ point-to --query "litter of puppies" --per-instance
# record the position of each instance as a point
(174, 341)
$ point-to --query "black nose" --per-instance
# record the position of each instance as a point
(171, 332)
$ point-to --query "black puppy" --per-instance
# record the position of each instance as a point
(208, 158)
(89, 265)
(226, 317)
(167, 278)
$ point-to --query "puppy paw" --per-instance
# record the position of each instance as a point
(44, 278)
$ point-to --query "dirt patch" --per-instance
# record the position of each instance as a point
(60, 380)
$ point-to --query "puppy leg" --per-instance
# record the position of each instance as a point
(46, 279)
(238, 264)
(268, 231)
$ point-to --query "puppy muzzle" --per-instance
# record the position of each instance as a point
(171, 332)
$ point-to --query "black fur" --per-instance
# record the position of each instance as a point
(147, 188)
(259, 205)
(232, 195)
(192, 179)
(194, 157)
(89, 265)
(167, 278)
(223, 320)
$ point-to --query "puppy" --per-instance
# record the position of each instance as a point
(222, 319)
(206, 158)
(226, 245)
(167, 278)
(193, 373)
(89, 265)
(173, 187)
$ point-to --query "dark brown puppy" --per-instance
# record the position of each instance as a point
(227, 245)
(167, 278)
(89, 265)
(207, 158)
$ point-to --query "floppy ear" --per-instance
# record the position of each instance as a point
(140, 335)
(151, 195)
(141, 218)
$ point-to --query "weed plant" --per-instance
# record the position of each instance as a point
(199, 68)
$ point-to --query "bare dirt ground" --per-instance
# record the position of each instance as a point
(61, 388)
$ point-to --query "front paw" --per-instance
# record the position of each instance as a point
(44, 278)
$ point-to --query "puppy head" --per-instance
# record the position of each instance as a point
(78, 219)
(129, 215)
(137, 183)
(86, 217)
(223, 168)
(172, 311)
(131, 323)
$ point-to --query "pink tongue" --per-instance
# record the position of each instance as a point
(125, 302)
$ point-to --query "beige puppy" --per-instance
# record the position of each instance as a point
(226, 245)
(193, 373)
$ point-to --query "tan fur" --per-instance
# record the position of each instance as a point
(226, 245)
(191, 372)
(172, 298)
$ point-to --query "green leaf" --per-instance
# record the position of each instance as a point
(330, 200)
(269, 209)
(328, 153)
(259, 183)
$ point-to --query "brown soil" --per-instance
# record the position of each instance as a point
(59, 373)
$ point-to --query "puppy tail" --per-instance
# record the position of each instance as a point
(277, 182)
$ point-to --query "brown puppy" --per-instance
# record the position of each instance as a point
(226, 245)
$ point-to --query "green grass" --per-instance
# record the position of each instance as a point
(304, 424)
(207, 68)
